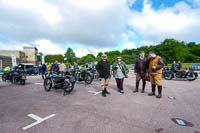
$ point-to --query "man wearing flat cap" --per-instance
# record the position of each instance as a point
(156, 65)
(103, 67)
(141, 67)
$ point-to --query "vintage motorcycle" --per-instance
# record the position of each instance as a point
(84, 75)
(59, 81)
(189, 75)
(18, 76)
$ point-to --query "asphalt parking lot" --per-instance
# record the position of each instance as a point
(84, 112)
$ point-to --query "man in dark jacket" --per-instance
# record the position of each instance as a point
(103, 67)
(141, 66)
(43, 70)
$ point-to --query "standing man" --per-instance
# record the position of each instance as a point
(43, 70)
(62, 68)
(155, 70)
(55, 67)
(103, 67)
(141, 66)
(179, 65)
(76, 67)
(174, 66)
(75, 70)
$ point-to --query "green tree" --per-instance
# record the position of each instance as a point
(86, 59)
(70, 56)
(98, 57)
(53, 58)
(112, 56)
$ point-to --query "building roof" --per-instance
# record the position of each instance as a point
(6, 57)
(11, 51)
(28, 47)
(2, 56)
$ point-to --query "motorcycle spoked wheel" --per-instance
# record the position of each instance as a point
(68, 87)
(3, 77)
(47, 84)
(168, 76)
(191, 76)
(88, 79)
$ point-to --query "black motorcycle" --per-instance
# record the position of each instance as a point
(59, 81)
(18, 76)
(189, 75)
(84, 75)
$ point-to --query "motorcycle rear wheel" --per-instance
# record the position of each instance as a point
(3, 77)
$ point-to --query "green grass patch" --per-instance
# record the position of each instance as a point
(186, 64)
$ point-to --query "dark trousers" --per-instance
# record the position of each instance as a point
(43, 75)
(120, 83)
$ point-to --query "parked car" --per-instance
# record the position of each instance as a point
(30, 69)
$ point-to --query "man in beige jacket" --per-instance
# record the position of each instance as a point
(62, 67)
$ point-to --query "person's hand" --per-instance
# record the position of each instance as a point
(153, 67)
(117, 66)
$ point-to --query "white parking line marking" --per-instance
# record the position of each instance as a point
(39, 83)
(95, 92)
(38, 120)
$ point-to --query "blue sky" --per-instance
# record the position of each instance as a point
(91, 26)
(156, 4)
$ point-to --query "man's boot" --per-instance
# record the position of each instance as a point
(106, 91)
(103, 93)
(143, 86)
(159, 92)
(153, 90)
(137, 86)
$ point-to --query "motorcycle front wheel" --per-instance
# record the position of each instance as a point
(191, 76)
(47, 84)
(88, 79)
(168, 76)
(68, 87)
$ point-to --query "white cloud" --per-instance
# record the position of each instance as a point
(126, 40)
(146, 43)
(180, 22)
(10, 47)
(47, 47)
(48, 11)
(129, 45)
(84, 51)
(86, 22)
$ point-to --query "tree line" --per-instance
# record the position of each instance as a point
(169, 49)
